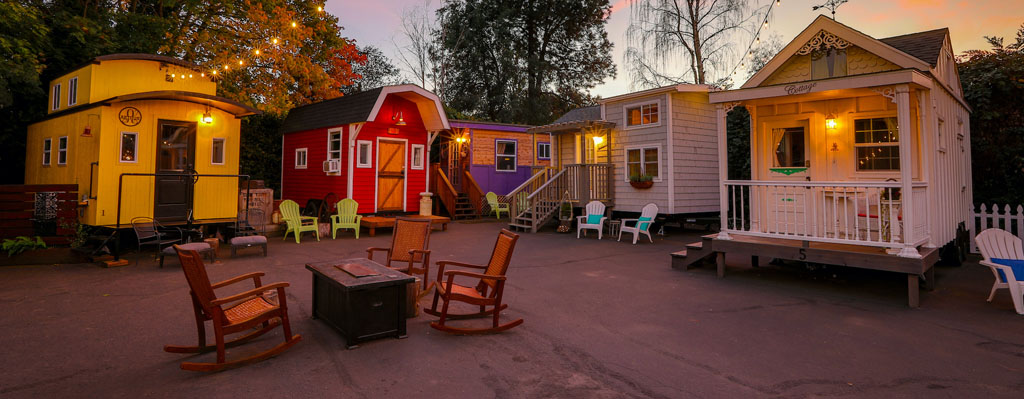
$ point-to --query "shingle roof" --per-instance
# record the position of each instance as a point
(925, 46)
(339, 111)
(591, 113)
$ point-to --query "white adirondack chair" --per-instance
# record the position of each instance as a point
(1001, 244)
(593, 208)
(640, 226)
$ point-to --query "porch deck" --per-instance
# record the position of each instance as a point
(859, 256)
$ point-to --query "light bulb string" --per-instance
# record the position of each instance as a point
(755, 39)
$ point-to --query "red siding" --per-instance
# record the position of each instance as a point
(300, 185)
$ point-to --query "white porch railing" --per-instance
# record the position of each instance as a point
(861, 213)
(988, 218)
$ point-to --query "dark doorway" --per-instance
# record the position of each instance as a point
(175, 154)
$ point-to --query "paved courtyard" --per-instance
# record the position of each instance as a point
(603, 319)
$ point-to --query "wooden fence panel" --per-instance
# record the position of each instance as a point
(18, 212)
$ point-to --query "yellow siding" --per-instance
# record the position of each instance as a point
(796, 69)
(81, 150)
(483, 146)
(138, 76)
(858, 62)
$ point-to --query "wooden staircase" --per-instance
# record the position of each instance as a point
(464, 208)
(538, 200)
(545, 210)
(693, 254)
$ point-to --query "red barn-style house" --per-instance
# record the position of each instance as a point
(371, 146)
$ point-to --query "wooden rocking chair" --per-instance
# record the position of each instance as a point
(409, 244)
(487, 292)
(250, 309)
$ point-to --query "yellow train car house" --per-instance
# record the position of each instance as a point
(123, 118)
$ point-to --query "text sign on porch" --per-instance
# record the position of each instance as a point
(800, 89)
(130, 116)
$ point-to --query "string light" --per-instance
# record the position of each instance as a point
(257, 51)
(275, 40)
(239, 62)
(294, 24)
(319, 9)
(757, 36)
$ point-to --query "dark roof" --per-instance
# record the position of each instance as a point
(146, 57)
(591, 113)
(339, 111)
(925, 46)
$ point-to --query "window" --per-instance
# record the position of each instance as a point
(333, 144)
(543, 150)
(877, 141)
(56, 96)
(643, 161)
(300, 158)
(828, 63)
(46, 150)
(790, 148)
(417, 156)
(363, 157)
(129, 146)
(646, 114)
(73, 91)
(217, 151)
(505, 155)
(62, 150)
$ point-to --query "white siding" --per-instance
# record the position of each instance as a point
(627, 198)
(695, 138)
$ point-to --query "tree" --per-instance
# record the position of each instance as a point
(376, 71)
(993, 84)
(525, 62)
(693, 36)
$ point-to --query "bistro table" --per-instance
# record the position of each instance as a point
(360, 308)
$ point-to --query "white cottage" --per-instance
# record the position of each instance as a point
(860, 154)
(653, 146)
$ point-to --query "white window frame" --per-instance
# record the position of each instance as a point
(330, 138)
(135, 149)
(515, 156)
(641, 148)
(73, 91)
(369, 153)
(546, 144)
(223, 151)
(62, 150)
(412, 157)
(641, 104)
(55, 92)
(940, 138)
(305, 158)
(47, 151)
(853, 143)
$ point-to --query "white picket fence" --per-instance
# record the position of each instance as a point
(987, 218)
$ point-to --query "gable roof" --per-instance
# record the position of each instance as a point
(363, 107)
(339, 111)
(925, 46)
(875, 46)
(591, 113)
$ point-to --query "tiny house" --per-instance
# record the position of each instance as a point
(371, 146)
(127, 129)
(501, 156)
(653, 146)
(860, 153)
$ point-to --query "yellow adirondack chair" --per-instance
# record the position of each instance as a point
(296, 222)
(496, 207)
(346, 217)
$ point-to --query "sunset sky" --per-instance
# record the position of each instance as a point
(376, 22)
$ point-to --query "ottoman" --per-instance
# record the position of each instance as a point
(246, 242)
(201, 247)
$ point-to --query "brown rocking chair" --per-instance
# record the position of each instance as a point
(487, 293)
(409, 244)
(250, 310)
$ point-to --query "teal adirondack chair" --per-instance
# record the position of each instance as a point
(296, 222)
(496, 207)
(347, 218)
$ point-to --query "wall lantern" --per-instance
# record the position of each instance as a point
(598, 140)
(207, 117)
(830, 121)
(398, 118)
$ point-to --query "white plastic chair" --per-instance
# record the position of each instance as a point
(649, 212)
(593, 208)
(1001, 244)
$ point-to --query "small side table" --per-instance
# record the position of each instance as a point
(613, 227)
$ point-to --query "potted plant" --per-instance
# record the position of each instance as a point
(565, 218)
(642, 182)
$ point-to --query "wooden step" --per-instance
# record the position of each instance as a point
(694, 254)
(695, 245)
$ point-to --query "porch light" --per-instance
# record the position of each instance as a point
(207, 117)
(400, 120)
(830, 121)
(598, 140)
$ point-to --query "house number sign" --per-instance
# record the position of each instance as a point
(130, 116)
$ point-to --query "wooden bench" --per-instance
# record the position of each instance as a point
(377, 222)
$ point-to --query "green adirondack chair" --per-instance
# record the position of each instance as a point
(346, 217)
(496, 207)
(296, 222)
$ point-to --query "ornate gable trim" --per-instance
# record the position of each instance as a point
(823, 40)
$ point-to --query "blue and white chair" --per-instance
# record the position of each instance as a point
(641, 225)
(1004, 254)
(593, 220)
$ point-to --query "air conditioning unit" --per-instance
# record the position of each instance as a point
(332, 166)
